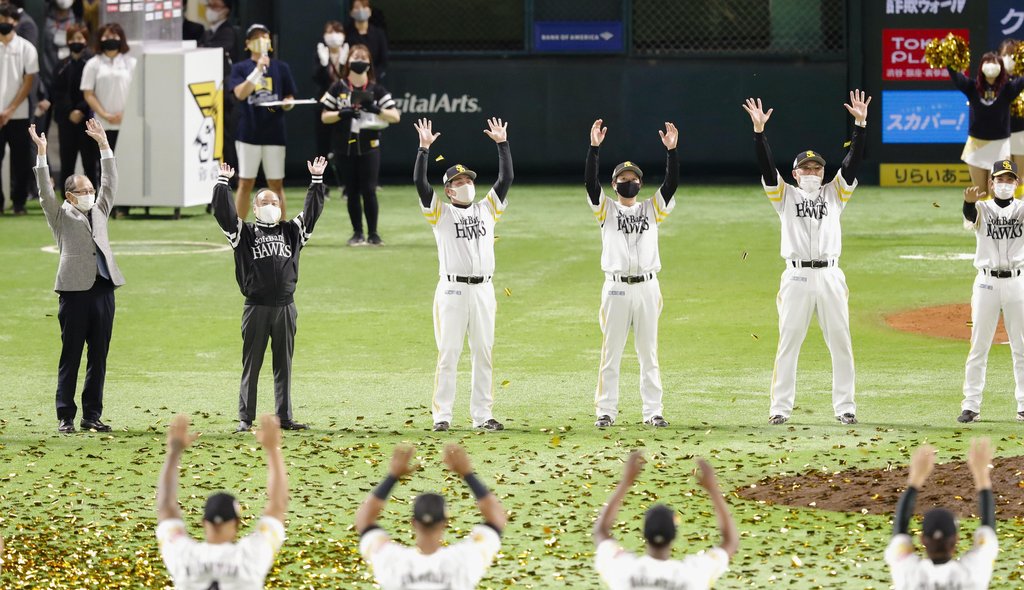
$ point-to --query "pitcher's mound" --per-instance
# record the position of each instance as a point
(942, 321)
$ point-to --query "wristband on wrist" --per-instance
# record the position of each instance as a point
(479, 490)
(383, 489)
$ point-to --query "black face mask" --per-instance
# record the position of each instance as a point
(110, 44)
(359, 67)
(76, 47)
(6, 28)
(628, 189)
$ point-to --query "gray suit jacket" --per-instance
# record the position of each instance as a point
(78, 237)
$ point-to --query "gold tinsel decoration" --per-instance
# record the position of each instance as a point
(1017, 106)
(950, 51)
(1018, 59)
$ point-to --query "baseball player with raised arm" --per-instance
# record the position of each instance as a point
(430, 565)
(464, 298)
(623, 570)
(998, 286)
(222, 561)
(631, 295)
(812, 283)
(941, 568)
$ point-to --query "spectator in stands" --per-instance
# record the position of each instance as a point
(360, 31)
(360, 108)
(21, 65)
(26, 27)
(331, 57)
(71, 111)
(54, 48)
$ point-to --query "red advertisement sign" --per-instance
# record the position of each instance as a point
(903, 53)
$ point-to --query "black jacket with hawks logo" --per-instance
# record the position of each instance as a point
(267, 255)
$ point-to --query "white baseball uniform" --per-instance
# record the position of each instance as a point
(629, 252)
(971, 571)
(455, 567)
(811, 232)
(622, 570)
(195, 565)
(1000, 237)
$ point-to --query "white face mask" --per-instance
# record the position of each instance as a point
(1004, 190)
(65, 4)
(361, 14)
(464, 194)
(85, 202)
(334, 39)
(809, 183)
(215, 16)
(990, 70)
(267, 213)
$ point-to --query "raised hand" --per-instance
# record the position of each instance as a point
(706, 477)
(401, 461)
(94, 129)
(634, 465)
(38, 139)
(858, 107)
(425, 129)
(597, 133)
(457, 460)
(921, 465)
(757, 115)
(497, 130)
(269, 433)
(178, 436)
(226, 170)
(979, 459)
(973, 194)
(317, 166)
(670, 136)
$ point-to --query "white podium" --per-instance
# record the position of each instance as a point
(172, 136)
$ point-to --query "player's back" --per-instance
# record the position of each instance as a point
(971, 571)
(623, 570)
(195, 565)
(459, 566)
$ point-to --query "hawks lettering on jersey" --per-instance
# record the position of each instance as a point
(998, 231)
(464, 236)
(270, 245)
(810, 222)
(1003, 228)
(629, 246)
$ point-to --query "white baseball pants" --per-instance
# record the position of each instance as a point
(990, 296)
(623, 306)
(460, 308)
(802, 293)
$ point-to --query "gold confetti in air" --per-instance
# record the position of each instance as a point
(744, 255)
(351, 141)
(754, 336)
(970, 324)
(847, 144)
(508, 292)
(936, 205)
(505, 383)
(439, 158)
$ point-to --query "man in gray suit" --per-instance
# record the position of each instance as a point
(86, 278)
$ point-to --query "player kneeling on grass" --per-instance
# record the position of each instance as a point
(811, 245)
(941, 569)
(267, 270)
(623, 570)
(464, 298)
(430, 564)
(999, 284)
(631, 295)
(222, 560)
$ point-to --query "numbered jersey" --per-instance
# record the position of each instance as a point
(810, 221)
(465, 237)
(623, 570)
(226, 566)
(971, 571)
(455, 567)
(629, 235)
(1000, 235)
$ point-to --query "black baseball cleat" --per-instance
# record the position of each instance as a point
(968, 416)
(293, 425)
(492, 425)
(604, 421)
(1020, 416)
(243, 426)
(66, 425)
(847, 418)
(374, 240)
(778, 419)
(95, 425)
(357, 240)
(441, 426)
(656, 421)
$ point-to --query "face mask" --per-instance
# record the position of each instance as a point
(464, 194)
(65, 4)
(1004, 190)
(359, 67)
(810, 183)
(1008, 63)
(361, 14)
(110, 44)
(268, 213)
(85, 202)
(6, 28)
(334, 39)
(628, 189)
(214, 16)
(76, 47)
(990, 70)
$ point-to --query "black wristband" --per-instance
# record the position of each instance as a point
(480, 491)
(987, 508)
(383, 489)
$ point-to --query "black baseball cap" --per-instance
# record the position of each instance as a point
(457, 170)
(429, 509)
(659, 525)
(939, 523)
(220, 508)
(256, 28)
(807, 156)
(1004, 167)
(627, 165)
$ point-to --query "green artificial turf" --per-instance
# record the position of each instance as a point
(79, 511)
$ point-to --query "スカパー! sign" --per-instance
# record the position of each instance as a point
(903, 53)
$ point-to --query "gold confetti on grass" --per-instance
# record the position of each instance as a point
(754, 336)
(744, 255)
(508, 292)
(936, 205)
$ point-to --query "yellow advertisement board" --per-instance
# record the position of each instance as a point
(924, 175)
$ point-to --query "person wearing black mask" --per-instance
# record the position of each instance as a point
(71, 110)
(21, 65)
(362, 31)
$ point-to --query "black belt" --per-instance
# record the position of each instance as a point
(630, 280)
(1002, 274)
(468, 280)
(811, 263)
